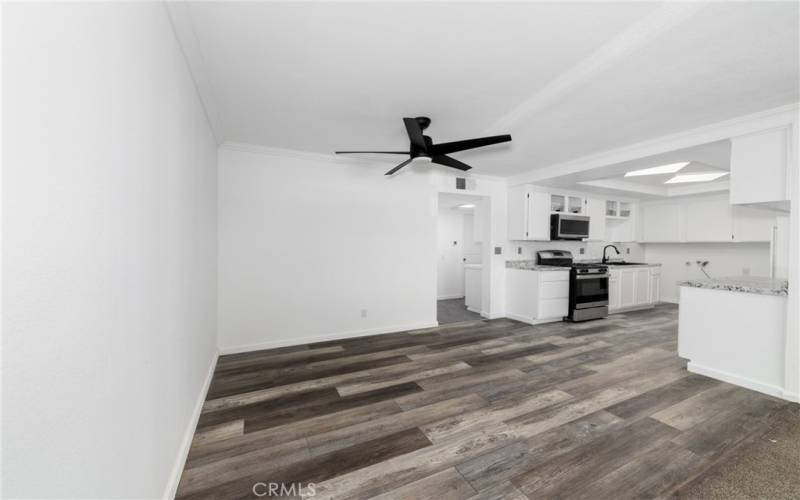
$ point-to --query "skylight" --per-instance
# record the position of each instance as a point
(696, 177)
(663, 169)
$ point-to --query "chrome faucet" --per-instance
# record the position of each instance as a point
(605, 259)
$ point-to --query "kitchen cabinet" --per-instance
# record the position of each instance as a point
(528, 214)
(661, 222)
(572, 204)
(752, 223)
(655, 285)
(708, 220)
(633, 288)
(702, 220)
(595, 209)
(759, 167)
(618, 208)
(537, 296)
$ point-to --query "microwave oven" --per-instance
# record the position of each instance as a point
(569, 227)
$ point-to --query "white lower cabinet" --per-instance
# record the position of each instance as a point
(634, 288)
(537, 296)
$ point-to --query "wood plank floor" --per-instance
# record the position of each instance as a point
(482, 410)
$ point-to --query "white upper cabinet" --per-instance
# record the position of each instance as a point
(660, 222)
(759, 167)
(752, 224)
(595, 209)
(708, 220)
(528, 214)
(704, 220)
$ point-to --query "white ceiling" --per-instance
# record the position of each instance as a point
(610, 179)
(565, 79)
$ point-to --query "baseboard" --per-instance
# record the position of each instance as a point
(476, 311)
(794, 397)
(322, 338)
(530, 321)
(489, 315)
(769, 389)
(448, 297)
(670, 300)
(183, 453)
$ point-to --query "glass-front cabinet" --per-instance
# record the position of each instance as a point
(575, 204)
(616, 208)
(557, 203)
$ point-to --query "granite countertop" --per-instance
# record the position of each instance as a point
(745, 284)
(531, 265)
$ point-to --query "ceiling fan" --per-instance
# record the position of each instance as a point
(423, 147)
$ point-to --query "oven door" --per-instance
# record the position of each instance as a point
(573, 226)
(589, 290)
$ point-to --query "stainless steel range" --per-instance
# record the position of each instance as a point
(588, 285)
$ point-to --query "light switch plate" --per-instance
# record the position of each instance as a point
(498, 250)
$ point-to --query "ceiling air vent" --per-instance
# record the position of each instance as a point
(463, 184)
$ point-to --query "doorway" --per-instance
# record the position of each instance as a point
(462, 229)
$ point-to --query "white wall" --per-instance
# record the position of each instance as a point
(450, 267)
(725, 259)
(473, 250)
(307, 243)
(109, 227)
(593, 250)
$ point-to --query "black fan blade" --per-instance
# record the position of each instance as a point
(415, 133)
(453, 147)
(373, 152)
(448, 161)
(395, 169)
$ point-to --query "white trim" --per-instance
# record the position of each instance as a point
(450, 296)
(791, 396)
(183, 453)
(528, 320)
(321, 338)
(772, 390)
(771, 118)
(476, 311)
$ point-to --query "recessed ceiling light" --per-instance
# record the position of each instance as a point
(697, 177)
(468, 205)
(663, 169)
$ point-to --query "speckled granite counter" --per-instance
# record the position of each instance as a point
(745, 284)
(611, 265)
(531, 265)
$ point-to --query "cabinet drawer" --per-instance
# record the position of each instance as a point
(655, 271)
(554, 290)
(555, 276)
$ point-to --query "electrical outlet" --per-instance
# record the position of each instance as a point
(363, 313)
(519, 250)
(628, 251)
(582, 251)
(498, 250)
(746, 271)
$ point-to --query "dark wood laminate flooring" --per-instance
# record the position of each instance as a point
(480, 410)
(454, 311)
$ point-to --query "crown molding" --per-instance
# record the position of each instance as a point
(782, 116)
